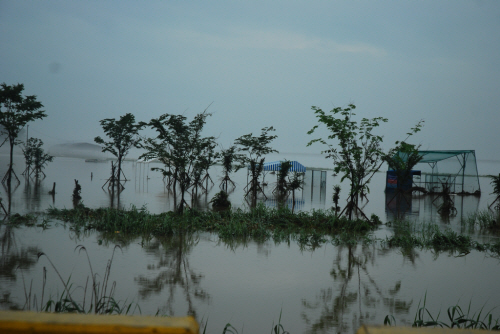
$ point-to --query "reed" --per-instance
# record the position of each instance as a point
(485, 220)
(457, 318)
(100, 294)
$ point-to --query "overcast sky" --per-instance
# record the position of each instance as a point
(261, 63)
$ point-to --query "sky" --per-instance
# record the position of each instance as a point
(260, 63)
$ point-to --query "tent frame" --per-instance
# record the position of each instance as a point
(462, 157)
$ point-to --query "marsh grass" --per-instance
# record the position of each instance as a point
(485, 220)
(100, 294)
(457, 318)
(259, 223)
(409, 235)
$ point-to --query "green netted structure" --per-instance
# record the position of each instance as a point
(457, 169)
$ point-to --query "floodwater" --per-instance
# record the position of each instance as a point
(329, 289)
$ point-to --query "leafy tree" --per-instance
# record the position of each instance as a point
(282, 184)
(256, 148)
(15, 112)
(180, 146)
(357, 153)
(206, 158)
(295, 182)
(228, 157)
(35, 157)
(124, 134)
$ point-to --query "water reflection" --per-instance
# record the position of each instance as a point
(425, 207)
(173, 272)
(355, 296)
(13, 260)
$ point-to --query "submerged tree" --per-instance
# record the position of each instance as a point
(336, 197)
(180, 146)
(15, 112)
(77, 194)
(357, 153)
(124, 134)
(256, 147)
(282, 186)
(228, 157)
(295, 182)
(35, 157)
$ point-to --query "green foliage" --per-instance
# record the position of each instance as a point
(256, 147)
(404, 157)
(457, 319)
(260, 223)
(35, 157)
(356, 153)
(495, 182)
(15, 112)
(220, 200)
(336, 197)
(181, 148)
(123, 134)
(77, 193)
(410, 235)
(282, 184)
(227, 158)
(481, 220)
(101, 295)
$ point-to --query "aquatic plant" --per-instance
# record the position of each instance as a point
(220, 200)
(481, 220)
(260, 222)
(410, 235)
(336, 197)
(448, 206)
(495, 182)
(457, 318)
(101, 297)
(77, 193)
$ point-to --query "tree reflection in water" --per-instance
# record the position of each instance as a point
(13, 260)
(173, 272)
(345, 305)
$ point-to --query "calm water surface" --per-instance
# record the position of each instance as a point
(325, 290)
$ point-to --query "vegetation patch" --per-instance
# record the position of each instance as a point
(457, 318)
(260, 222)
(409, 235)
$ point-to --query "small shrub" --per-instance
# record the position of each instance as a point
(221, 200)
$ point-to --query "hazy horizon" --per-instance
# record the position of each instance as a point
(260, 64)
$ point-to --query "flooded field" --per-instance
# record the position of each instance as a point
(328, 289)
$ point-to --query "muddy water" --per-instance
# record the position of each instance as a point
(326, 290)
